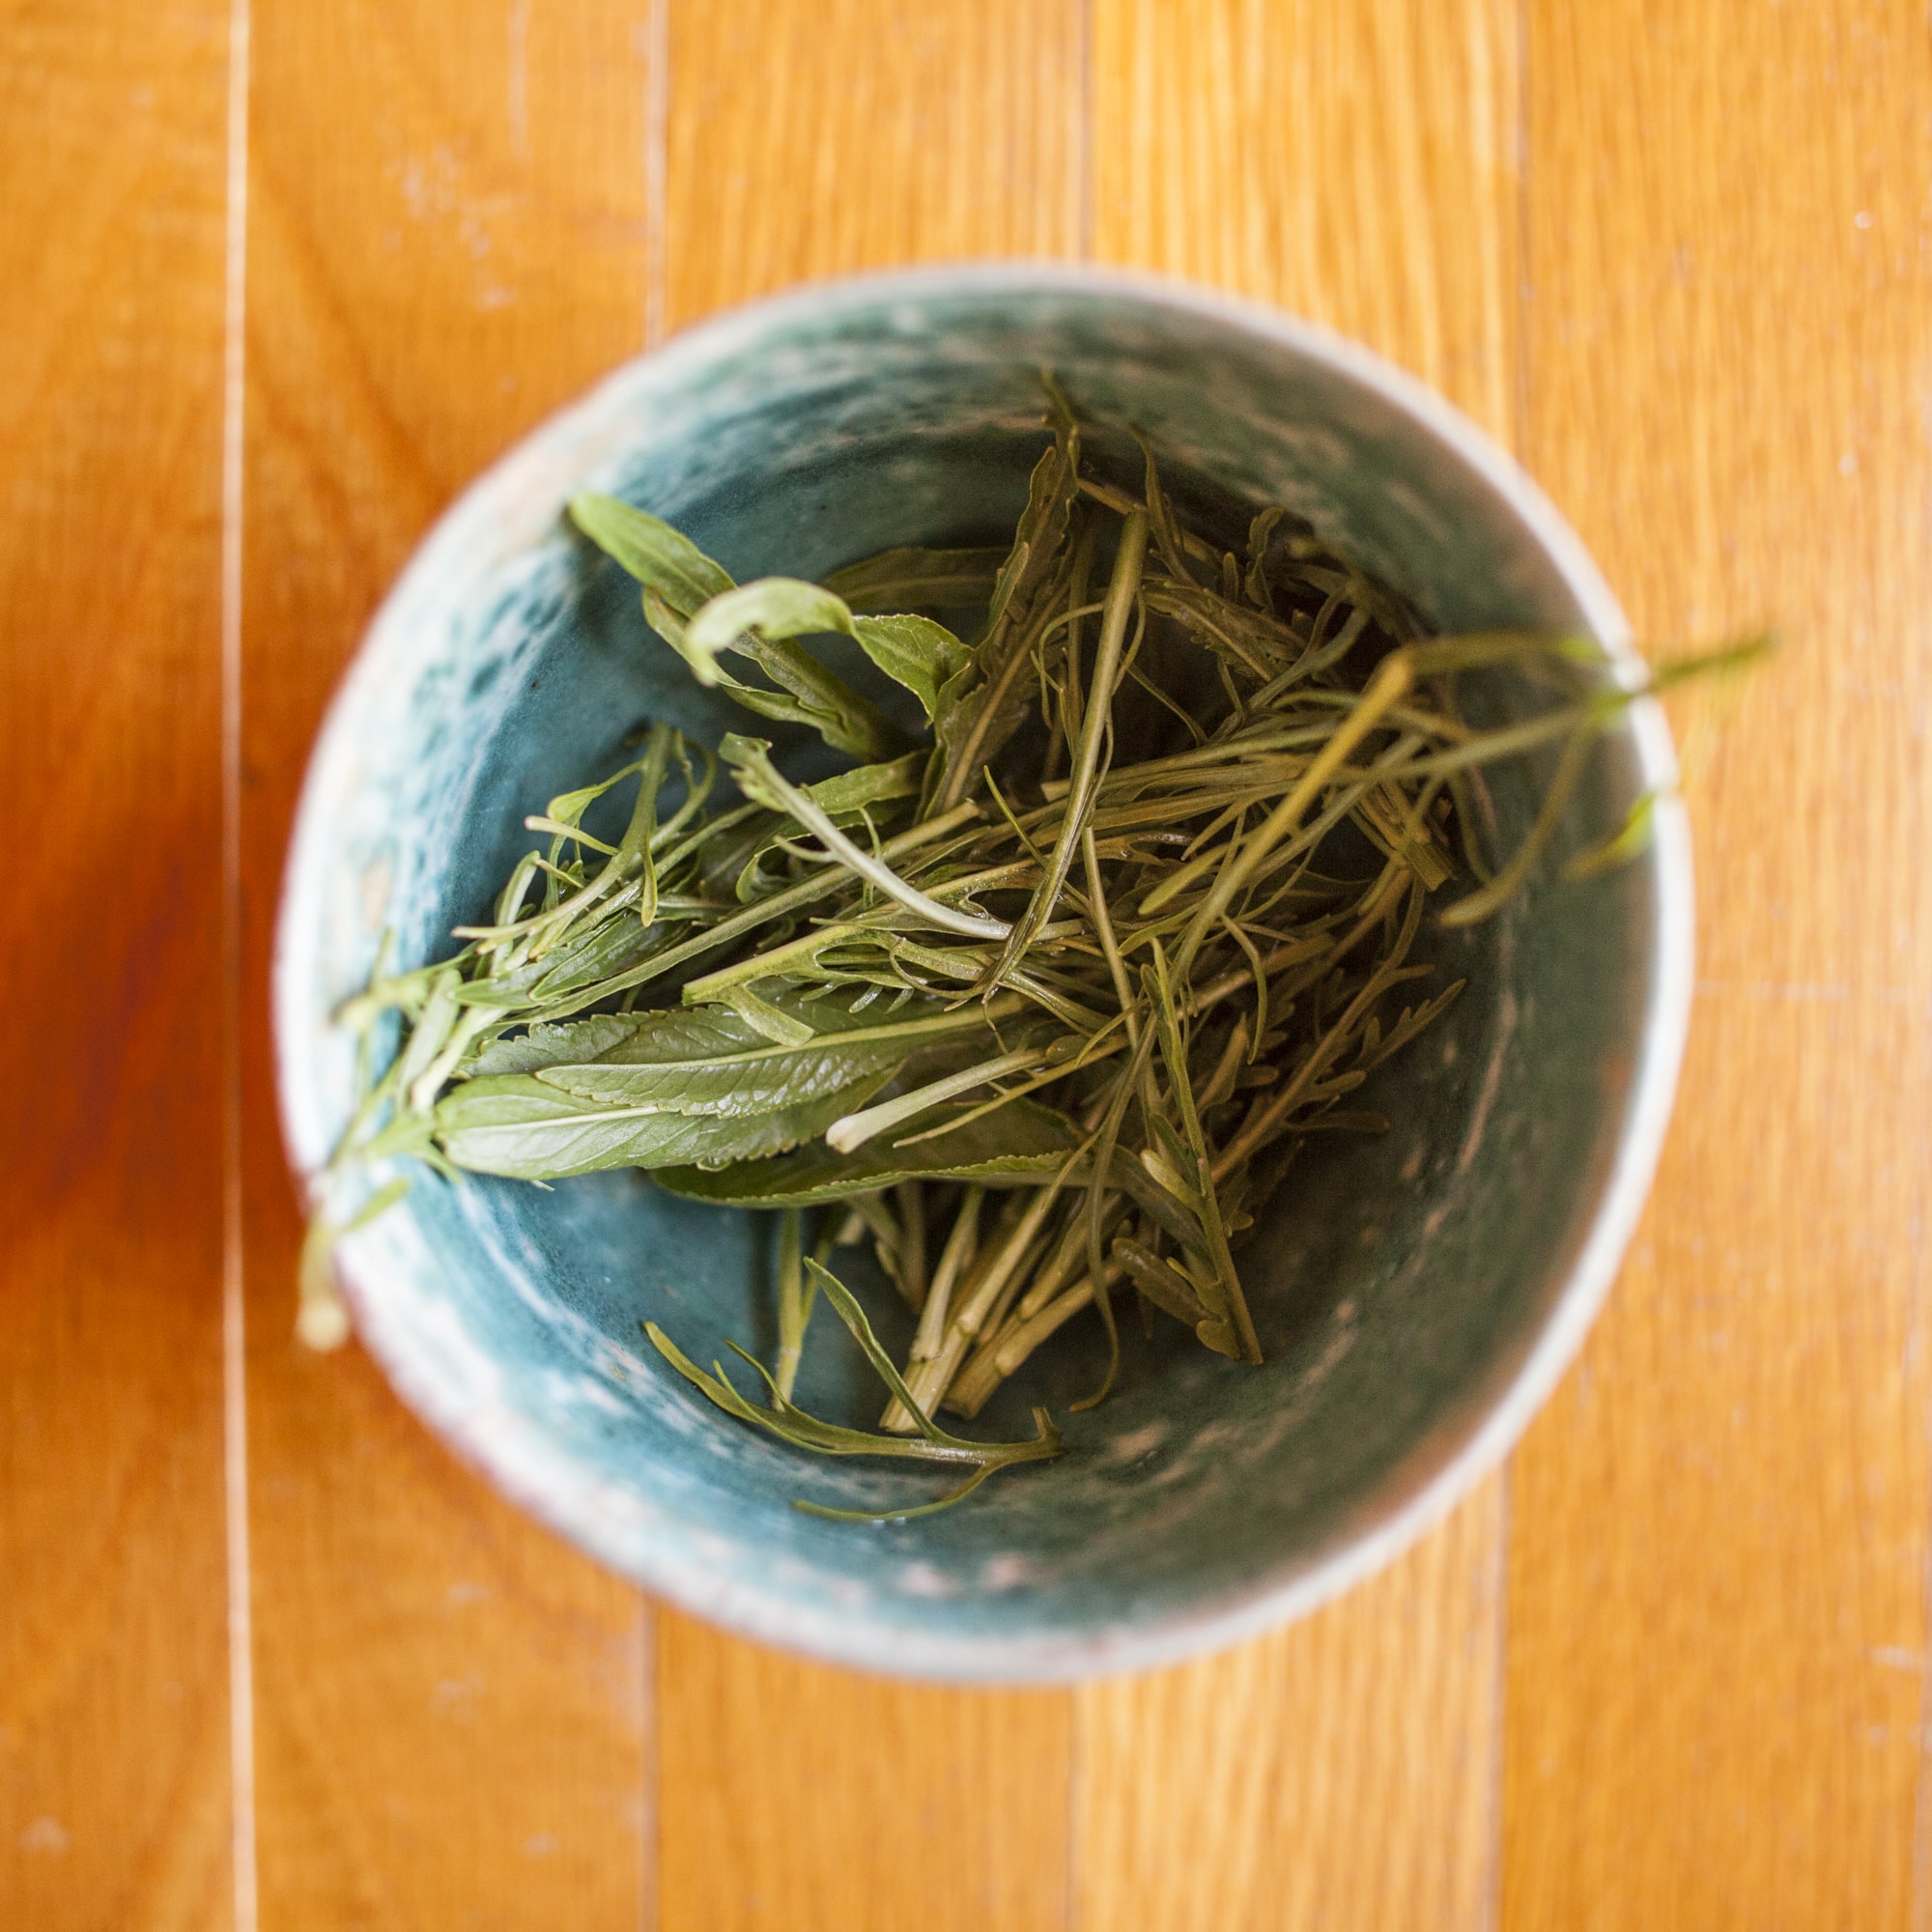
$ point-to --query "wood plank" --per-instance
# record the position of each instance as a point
(1335, 1773)
(447, 240)
(821, 137)
(1355, 165)
(1717, 1626)
(811, 139)
(799, 1795)
(114, 1768)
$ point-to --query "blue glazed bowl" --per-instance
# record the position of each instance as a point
(1417, 1295)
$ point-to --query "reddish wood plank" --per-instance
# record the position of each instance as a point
(113, 1660)
(446, 239)
(809, 139)
(1716, 1615)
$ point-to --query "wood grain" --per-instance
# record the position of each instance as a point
(1355, 165)
(114, 1789)
(1699, 309)
(820, 137)
(810, 139)
(446, 239)
(798, 1796)
(1716, 1615)
(1336, 1774)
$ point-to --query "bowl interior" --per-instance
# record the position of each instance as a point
(1399, 1283)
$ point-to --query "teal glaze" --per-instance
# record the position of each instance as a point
(1417, 1295)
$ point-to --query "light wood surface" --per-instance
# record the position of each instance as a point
(114, 1760)
(1717, 1606)
(1666, 1670)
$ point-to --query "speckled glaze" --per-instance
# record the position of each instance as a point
(1417, 1295)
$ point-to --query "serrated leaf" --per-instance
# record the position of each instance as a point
(982, 706)
(556, 1045)
(660, 558)
(524, 1127)
(658, 1070)
(1007, 585)
(1051, 492)
(1019, 1143)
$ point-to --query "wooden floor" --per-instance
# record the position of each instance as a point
(273, 285)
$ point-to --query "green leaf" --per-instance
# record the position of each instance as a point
(432, 1029)
(845, 1304)
(791, 1424)
(556, 1045)
(913, 651)
(1051, 492)
(660, 558)
(763, 783)
(657, 1068)
(979, 707)
(845, 799)
(1251, 640)
(770, 607)
(1160, 1281)
(910, 579)
(759, 621)
(519, 1125)
(850, 792)
(1161, 517)
(770, 1022)
(1020, 1142)
(603, 947)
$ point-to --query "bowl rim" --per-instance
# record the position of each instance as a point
(1427, 1483)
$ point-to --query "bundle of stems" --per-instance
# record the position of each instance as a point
(1040, 1001)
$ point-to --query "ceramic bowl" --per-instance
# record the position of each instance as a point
(1417, 1295)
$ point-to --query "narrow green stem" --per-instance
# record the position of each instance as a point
(1123, 589)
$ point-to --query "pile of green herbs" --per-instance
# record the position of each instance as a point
(1040, 1002)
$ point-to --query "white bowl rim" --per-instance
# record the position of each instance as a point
(1358, 1550)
